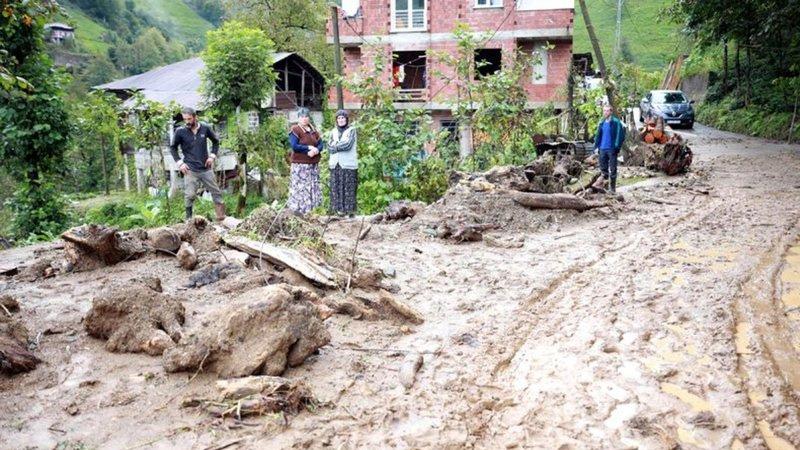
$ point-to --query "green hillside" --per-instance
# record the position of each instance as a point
(650, 43)
(176, 19)
(88, 33)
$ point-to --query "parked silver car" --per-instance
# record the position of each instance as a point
(672, 106)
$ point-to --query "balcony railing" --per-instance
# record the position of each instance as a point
(411, 95)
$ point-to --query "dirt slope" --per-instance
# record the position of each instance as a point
(671, 320)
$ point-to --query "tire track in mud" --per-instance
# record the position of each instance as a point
(768, 365)
(528, 320)
(657, 236)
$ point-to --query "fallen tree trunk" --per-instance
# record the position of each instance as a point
(286, 257)
(555, 201)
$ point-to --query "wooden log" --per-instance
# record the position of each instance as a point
(589, 184)
(286, 257)
(554, 201)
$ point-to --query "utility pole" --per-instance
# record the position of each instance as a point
(337, 57)
(618, 45)
(600, 61)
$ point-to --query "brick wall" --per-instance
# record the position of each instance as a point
(443, 15)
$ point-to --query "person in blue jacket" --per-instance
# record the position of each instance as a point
(608, 140)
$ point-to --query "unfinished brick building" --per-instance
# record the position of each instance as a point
(405, 30)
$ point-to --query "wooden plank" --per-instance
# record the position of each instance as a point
(286, 257)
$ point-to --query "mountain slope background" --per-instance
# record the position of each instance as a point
(646, 41)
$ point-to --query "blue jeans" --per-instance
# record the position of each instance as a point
(608, 164)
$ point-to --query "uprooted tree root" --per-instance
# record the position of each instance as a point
(262, 332)
(255, 396)
(90, 247)
(137, 318)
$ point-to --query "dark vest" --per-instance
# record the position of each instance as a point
(305, 138)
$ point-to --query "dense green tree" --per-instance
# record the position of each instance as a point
(237, 78)
(98, 133)
(211, 10)
(34, 127)
(151, 49)
(292, 25)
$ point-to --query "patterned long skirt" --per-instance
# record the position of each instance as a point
(305, 192)
(344, 187)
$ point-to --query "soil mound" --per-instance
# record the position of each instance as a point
(199, 232)
(14, 354)
(137, 318)
(262, 332)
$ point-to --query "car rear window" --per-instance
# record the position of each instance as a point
(668, 97)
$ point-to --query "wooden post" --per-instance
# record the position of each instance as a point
(571, 101)
(600, 61)
(725, 65)
(173, 183)
(465, 140)
(243, 166)
(139, 180)
(303, 88)
(126, 169)
(337, 57)
(103, 159)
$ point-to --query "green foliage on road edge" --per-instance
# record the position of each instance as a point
(752, 121)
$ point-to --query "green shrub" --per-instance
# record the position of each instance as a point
(748, 120)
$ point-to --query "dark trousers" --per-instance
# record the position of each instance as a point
(608, 164)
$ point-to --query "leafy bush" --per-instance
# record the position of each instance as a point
(147, 212)
(39, 213)
(751, 121)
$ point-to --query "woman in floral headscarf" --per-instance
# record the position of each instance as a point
(306, 143)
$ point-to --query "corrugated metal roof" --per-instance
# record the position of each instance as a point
(179, 82)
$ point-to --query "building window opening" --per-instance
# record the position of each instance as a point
(409, 74)
(487, 61)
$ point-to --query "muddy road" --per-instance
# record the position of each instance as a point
(669, 321)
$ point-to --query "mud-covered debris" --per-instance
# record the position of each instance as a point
(316, 271)
(402, 209)
(381, 305)
(281, 225)
(199, 232)
(234, 256)
(163, 239)
(255, 396)
(89, 247)
(136, 318)
(39, 268)
(261, 332)
(8, 303)
(212, 273)
(409, 368)
(503, 242)
(187, 257)
(14, 354)
(460, 232)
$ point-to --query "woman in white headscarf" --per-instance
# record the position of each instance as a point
(343, 163)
